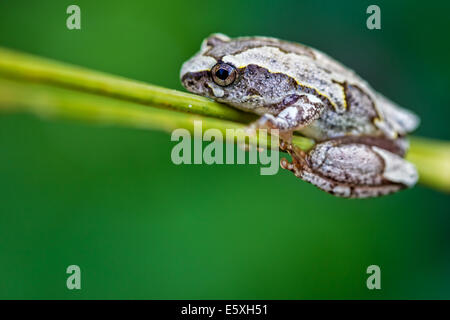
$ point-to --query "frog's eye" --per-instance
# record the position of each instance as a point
(223, 74)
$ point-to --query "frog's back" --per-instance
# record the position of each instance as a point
(362, 110)
(385, 116)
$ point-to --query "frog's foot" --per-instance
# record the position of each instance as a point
(351, 170)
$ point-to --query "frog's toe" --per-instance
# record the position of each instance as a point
(285, 164)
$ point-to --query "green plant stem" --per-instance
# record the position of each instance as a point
(53, 89)
(432, 159)
(32, 68)
(54, 102)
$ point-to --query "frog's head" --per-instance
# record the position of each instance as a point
(229, 71)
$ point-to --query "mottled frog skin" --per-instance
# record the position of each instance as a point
(360, 134)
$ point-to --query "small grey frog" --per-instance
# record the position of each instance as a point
(359, 134)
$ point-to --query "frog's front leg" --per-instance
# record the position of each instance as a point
(297, 111)
(351, 170)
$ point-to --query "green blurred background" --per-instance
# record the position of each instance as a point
(110, 200)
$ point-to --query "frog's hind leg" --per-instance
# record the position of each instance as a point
(351, 170)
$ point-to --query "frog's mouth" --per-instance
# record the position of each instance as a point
(197, 82)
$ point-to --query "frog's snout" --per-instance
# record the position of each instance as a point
(196, 82)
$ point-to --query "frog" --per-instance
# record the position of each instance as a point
(360, 135)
